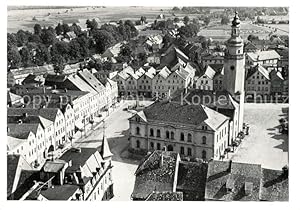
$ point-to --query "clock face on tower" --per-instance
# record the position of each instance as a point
(232, 68)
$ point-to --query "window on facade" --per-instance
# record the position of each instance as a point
(189, 151)
(189, 137)
(158, 133)
(137, 130)
(158, 146)
(181, 136)
(172, 135)
(151, 145)
(203, 154)
(182, 150)
(151, 132)
(167, 135)
(204, 140)
(138, 144)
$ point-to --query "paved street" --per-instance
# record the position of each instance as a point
(264, 144)
(117, 126)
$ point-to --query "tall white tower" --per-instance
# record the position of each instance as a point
(234, 68)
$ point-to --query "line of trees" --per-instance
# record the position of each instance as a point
(48, 45)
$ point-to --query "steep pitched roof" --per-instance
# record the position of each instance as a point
(263, 55)
(48, 113)
(191, 178)
(165, 196)
(228, 180)
(175, 112)
(155, 173)
(22, 130)
(16, 164)
(11, 97)
(90, 79)
(274, 186)
(105, 151)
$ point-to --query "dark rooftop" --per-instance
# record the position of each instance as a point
(165, 196)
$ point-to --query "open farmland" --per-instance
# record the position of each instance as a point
(222, 32)
(23, 19)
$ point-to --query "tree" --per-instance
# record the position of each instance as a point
(34, 38)
(48, 37)
(66, 28)
(37, 29)
(58, 63)
(61, 48)
(22, 37)
(11, 40)
(206, 20)
(176, 20)
(92, 24)
(13, 58)
(176, 9)
(186, 20)
(76, 28)
(125, 50)
(26, 57)
(59, 29)
(189, 30)
(75, 48)
(103, 40)
(143, 19)
(42, 55)
(225, 20)
(252, 37)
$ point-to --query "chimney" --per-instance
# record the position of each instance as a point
(229, 166)
(70, 163)
(161, 160)
(54, 87)
(25, 115)
(248, 188)
(285, 171)
(20, 121)
(66, 90)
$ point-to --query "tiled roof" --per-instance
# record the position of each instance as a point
(260, 69)
(88, 159)
(274, 186)
(53, 166)
(186, 114)
(22, 129)
(228, 181)
(155, 173)
(90, 79)
(165, 196)
(263, 55)
(209, 72)
(80, 84)
(60, 192)
(191, 178)
(15, 178)
(212, 99)
(11, 97)
(164, 72)
(105, 150)
(48, 113)
(30, 119)
(37, 70)
(13, 142)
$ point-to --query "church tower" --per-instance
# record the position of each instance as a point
(234, 68)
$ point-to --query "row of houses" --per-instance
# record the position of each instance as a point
(51, 114)
(163, 175)
(80, 174)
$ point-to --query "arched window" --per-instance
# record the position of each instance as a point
(189, 151)
(138, 144)
(158, 146)
(158, 133)
(203, 139)
(151, 145)
(172, 135)
(137, 130)
(151, 132)
(189, 137)
(181, 136)
(203, 154)
(167, 135)
(182, 150)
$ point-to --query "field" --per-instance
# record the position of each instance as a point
(23, 19)
(222, 32)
